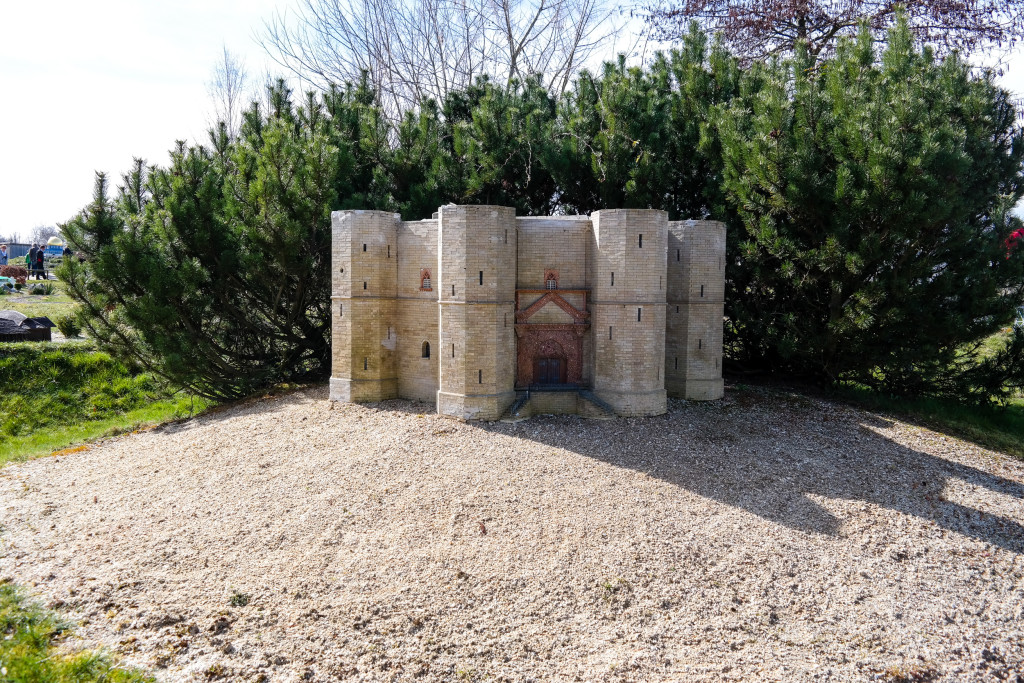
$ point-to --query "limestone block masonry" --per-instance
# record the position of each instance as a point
(476, 308)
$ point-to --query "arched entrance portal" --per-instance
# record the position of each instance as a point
(549, 348)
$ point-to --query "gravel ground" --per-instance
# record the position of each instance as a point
(764, 537)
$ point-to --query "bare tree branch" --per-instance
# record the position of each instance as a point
(414, 50)
(756, 29)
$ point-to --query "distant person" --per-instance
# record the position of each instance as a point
(3, 254)
(41, 264)
(30, 260)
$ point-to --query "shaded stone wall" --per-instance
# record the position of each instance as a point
(696, 305)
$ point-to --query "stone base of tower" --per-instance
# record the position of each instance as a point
(699, 389)
(635, 404)
(363, 390)
(465, 407)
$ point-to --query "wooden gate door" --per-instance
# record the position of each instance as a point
(549, 371)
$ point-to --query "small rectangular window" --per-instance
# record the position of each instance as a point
(364, 284)
(341, 310)
(479, 376)
(366, 363)
(453, 350)
(677, 255)
(506, 237)
(677, 362)
(453, 290)
(364, 247)
(702, 291)
(700, 343)
(638, 311)
(641, 241)
(389, 251)
(481, 277)
(613, 278)
(677, 309)
(609, 331)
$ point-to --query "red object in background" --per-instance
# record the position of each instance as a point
(1013, 240)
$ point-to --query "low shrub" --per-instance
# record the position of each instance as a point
(42, 289)
(68, 325)
(19, 273)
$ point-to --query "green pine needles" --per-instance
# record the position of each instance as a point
(867, 197)
(873, 193)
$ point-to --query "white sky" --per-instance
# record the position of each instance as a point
(87, 86)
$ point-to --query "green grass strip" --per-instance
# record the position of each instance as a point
(56, 395)
(999, 428)
(29, 636)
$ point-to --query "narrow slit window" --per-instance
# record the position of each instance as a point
(700, 343)
(506, 320)
(677, 309)
(506, 237)
(366, 363)
(389, 251)
(609, 331)
(341, 310)
(425, 351)
(481, 277)
(364, 284)
(453, 350)
(702, 291)
(453, 290)
(678, 256)
(479, 376)
(677, 363)
(638, 312)
(389, 331)
(364, 247)
(613, 278)
(641, 241)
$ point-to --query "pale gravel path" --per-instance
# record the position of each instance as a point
(760, 538)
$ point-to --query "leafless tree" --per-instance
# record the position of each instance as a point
(755, 29)
(41, 233)
(227, 90)
(413, 50)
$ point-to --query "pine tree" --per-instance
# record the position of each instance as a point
(871, 190)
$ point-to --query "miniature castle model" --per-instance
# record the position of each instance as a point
(487, 313)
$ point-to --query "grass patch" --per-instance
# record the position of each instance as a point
(29, 640)
(1000, 428)
(34, 306)
(56, 395)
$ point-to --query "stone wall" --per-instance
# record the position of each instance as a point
(426, 309)
(696, 303)
(628, 309)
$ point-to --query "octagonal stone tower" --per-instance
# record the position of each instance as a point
(628, 309)
(696, 303)
(477, 284)
(363, 277)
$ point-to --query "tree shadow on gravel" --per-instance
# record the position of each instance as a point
(767, 454)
